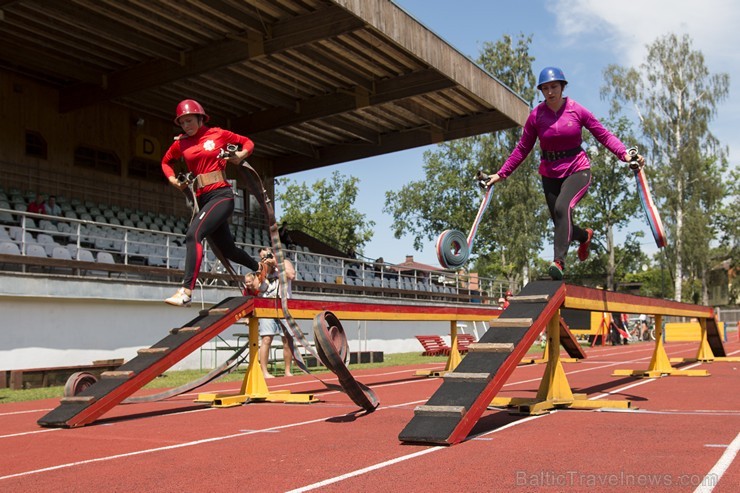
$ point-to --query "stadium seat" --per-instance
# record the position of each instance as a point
(36, 250)
(48, 226)
(85, 255)
(60, 252)
(9, 248)
(105, 258)
(7, 218)
(47, 242)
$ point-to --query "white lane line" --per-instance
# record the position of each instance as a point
(29, 432)
(636, 384)
(715, 474)
(26, 412)
(536, 379)
(403, 458)
(44, 430)
(672, 412)
(161, 449)
(381, 465)
(214, 439)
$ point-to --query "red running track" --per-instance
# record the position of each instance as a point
(686, 430)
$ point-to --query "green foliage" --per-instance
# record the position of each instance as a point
(654, 282)
(325, 210)
(514, 227)
(727, 220)
(676, 98)
(608, 267)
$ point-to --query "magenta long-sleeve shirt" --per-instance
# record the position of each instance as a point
(560, 131)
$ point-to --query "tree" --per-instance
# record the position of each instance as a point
(727, 222)
(676, 98)
(325, 211)
(512, 232)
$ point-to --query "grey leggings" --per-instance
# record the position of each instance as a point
(562, 195)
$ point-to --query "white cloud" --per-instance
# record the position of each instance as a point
(628, 26)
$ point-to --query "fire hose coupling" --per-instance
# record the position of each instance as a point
(482, 179)
(229, 151)
(186, 178)
(632, 152)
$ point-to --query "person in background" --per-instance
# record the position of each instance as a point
(199, 146)
(52, 208)
(37, 205)
(285, 238)
(378, 266)
(566, 171)
(643, 326)
(505, 299)
(269, 287)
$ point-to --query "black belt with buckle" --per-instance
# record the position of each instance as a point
(555, 155)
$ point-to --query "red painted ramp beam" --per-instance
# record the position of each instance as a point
(117, 385)
(458, 404)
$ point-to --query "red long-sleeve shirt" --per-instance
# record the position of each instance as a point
(200, 153)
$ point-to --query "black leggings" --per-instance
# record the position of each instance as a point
(212, 222)
(562, 195)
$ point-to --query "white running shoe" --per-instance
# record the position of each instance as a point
(181, 298)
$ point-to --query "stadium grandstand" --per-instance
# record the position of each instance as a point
(87, 117)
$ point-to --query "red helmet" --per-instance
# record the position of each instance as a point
(190, 107)
(508, 293)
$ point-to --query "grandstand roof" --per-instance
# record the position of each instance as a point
(313, 82)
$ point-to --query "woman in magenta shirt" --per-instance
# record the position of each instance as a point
(566, 171)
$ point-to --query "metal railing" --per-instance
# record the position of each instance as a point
(103, 242)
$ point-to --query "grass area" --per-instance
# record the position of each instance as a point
(172, 379)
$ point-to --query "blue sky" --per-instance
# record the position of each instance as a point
(580, 36)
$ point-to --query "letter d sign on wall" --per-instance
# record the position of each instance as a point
(147, 147)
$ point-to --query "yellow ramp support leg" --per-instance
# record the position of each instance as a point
(554, 391)
(453, 359)
(660, 365)
(705, 353)
(254, 386)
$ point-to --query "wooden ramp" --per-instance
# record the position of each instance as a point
(465, 393)
(714, 338)
(569, 342)
(115, 386)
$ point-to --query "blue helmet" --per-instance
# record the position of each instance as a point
(550, 74)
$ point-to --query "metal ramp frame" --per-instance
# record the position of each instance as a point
(568, 341)
(458, 404)
(466, 392)
(711, 348)
(115, 386)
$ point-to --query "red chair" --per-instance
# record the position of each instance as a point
(464, 341)
(434, 346)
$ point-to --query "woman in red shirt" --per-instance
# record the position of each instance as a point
(199, 147)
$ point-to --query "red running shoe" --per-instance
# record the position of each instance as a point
(585, 247)
(556, 270)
